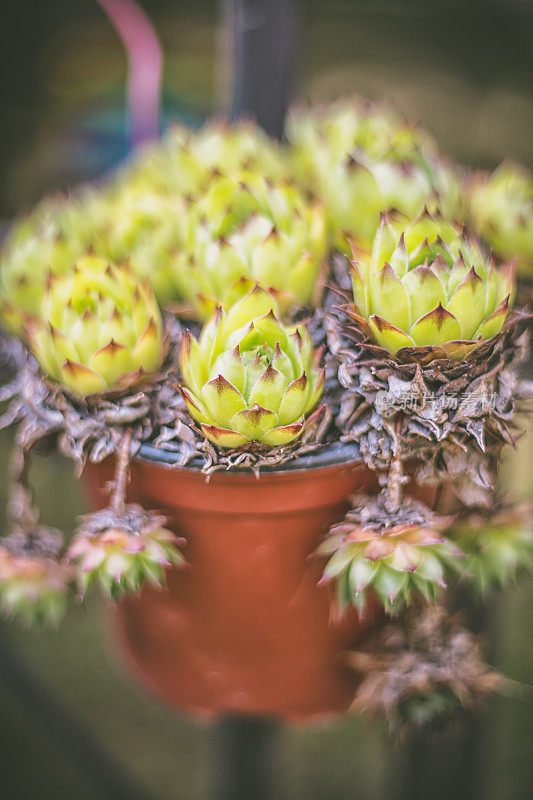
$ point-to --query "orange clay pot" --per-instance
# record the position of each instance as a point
(244, 627)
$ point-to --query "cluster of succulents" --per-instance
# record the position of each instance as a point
(244, 241)
(364, 160)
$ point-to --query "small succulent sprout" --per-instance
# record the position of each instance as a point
(249, 378)
(501, 211)
(34, 584)
(397, 555)
(425, 284)
(119, 551)
(498, 545)
(100, 329)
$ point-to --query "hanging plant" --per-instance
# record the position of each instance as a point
(184, 321)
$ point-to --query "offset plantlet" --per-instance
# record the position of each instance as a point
(100, 329)
(249, 378)
(34, 583)
(501, 211)
(122, 546)
(422, 671)
(425, 285)
(498, 545)
(34, 586)
(121, 551)
(399, 553)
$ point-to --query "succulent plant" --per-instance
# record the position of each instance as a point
(397, 553)
(194, 248)
(422, 671)
(230, 148)
(249, 378)
(425, 285)
(501, 211)
(340, 128)
(34, 585)
(148, 230)
(168, 168)
(120, 550)
(250, 228)
(185, 162)
(364, 161)
(100, 329)
(47, 242)
(498, 545)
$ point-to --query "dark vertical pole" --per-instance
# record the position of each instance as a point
(243, 759)
(263, 37)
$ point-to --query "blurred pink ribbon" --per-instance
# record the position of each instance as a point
(145, 67)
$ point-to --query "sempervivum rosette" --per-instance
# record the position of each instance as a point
(232, 147)
(318, 134)
(184, 162)
(428, 351)
(498, 545)
(47, 242)
(34, 584)
(249, 227)
(395, 552)
(100, 329)
(362, 161)
(419, 672)
(120, 548)
(501, 211)
(249, 378)
(426, 285)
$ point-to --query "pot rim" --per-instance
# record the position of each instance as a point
(330, 455)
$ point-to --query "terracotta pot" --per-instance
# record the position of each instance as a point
(244, 627)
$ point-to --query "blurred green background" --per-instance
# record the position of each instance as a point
(464, 70)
